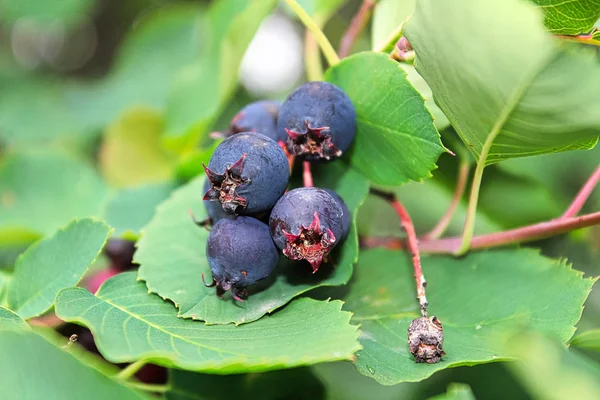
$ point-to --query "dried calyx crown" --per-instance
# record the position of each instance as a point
(222, 286)
(224, 186)
(311, 244)
(315, 141)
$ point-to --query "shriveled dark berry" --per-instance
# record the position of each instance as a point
(240, 253)
(320, 121)
(259, 116)
(425, 339)
(120, 253)
(306, 224)
(248, 172)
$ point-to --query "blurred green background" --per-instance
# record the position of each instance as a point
(106, 106)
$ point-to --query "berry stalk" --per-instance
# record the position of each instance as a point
(307, 174)
(359, 21)
(583, 195)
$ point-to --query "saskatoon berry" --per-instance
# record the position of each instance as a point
(120, 252)
(260, 116)
(306, 224)
(240, 253)
(320, 121)
(248, 172)
(214, 211)
(346, 213)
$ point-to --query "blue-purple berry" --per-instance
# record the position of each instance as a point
(259, 116)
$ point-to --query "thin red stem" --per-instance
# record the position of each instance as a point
(527, 233)
(583, 195)
(461, 184)
(356, 26)
(307, 174)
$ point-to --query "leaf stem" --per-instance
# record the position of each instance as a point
(409, 228)
(583, 39)
(359, 21)
(147, 387)
(583, 195)
(312, 58)
(310, 24)
(307, 174)
(130, 370)
(461, 184)
(524, 234)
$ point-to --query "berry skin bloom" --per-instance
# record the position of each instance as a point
(248, 173)
(259, 116)
(306, 224)
(319, 120)
(240, 253)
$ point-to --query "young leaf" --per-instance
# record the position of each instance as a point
(388, 17)
(396, 140)
(128, 210)
(26, 372)
(511, 95)
(40, 192)
(131, 152)
(548, 371)
(477, 298)
(587, 340)
(569, 17)
(172, 256)
(456, 391)
(129, 324)
(54, 263)
(8, 319)
(203, 87)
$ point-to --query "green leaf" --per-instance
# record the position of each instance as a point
(549, 372)
(587, 340)
(171, 253)
(40, 192)
(569, 17)
(129, 209)
(512, 95)
(396, 140)
(131, 152)
(54, 263)
(297, 384)
(8, 319)
(388, 18)
(456, 391)
(129, 324)
(321, 10)
(203, 87)
(45, 12)
(478, 298)
(5, 279)
(25, 356)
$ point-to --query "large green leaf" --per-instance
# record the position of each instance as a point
(41, 191)
(8, 319)
(510, 95)
(203, 87)
(388, 17)
(130, 324)
(549, 372)
(570, 17)
(34, 368)
(129, 209)
(131, 153)
(477, 298)
(396, 140)
(54, 263)
(171, 253)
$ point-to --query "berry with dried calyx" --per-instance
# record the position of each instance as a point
(240, 253)
(248, 172)
(320, 121)
(306, 224)
(259, 116)
(345, 215)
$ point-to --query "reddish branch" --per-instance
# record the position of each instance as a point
(583, 195)
(461, 184)
(307, 174)
(356, 26)
(412, 245)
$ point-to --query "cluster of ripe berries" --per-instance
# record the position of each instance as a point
(248, 175)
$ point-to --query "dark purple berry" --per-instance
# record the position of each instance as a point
(320, 121)
(306, 224)
(260, 116)
(346, 213)
(248, 172)
(240, 253)
(120, 253)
